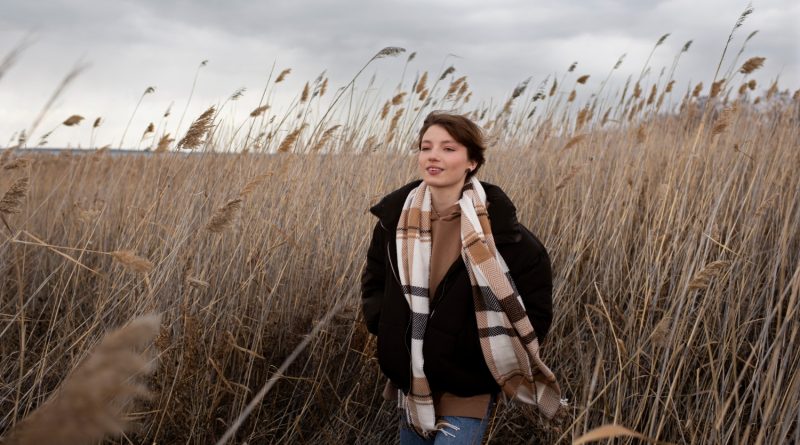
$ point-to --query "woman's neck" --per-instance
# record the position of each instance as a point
(444, 197)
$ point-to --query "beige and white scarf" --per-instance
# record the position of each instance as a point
(507, 337)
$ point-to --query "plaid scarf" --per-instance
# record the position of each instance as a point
(508, 341)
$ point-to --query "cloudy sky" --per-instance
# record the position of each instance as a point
(130, 45)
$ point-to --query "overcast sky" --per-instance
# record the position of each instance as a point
(130, 45)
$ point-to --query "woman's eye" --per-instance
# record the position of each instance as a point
(450, 149)
(424, 148)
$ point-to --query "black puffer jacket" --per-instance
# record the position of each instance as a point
(453, 358)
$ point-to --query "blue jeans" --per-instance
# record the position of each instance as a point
(470, 430)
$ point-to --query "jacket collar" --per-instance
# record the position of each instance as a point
(502, 213)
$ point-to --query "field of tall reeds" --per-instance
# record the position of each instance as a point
(671, 215)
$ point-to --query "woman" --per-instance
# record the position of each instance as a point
(458, 292)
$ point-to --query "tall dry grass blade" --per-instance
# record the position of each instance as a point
(12, 199)
(224, 216)
(131, 261)
(90, 403)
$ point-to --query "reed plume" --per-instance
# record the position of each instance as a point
(224, 216)
(283, 75)
(163, 143)
(91, 402)
(752, 64)
(75, 119)
(253, 184)
(132, 262)
(582, 80)
(12, 199)
(290, 139)
(259, 111)
(702, 279)
(198, 130)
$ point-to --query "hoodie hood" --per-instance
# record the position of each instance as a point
(502, 213)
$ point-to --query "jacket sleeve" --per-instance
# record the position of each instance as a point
(372, 280)
(535, 285)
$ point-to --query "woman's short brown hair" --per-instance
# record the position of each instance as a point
(463, 130)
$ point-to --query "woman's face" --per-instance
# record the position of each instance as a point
(442, 161)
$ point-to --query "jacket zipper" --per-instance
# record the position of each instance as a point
(442, 287)
(391, 266)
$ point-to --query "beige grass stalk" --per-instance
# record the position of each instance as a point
(91, 402)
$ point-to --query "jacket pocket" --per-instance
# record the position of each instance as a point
(393, 352)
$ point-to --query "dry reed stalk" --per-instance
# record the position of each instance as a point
(304, 95)
(198, 130)
(652, 97)
(259, 111)
(150, 128)
(224, 216)
(253, 184)
(751, 84)
(163, 143)
(660, 334)
(702, 279)
(553, 88)
(6, 154)
(752, 64)
(582, 80)
(447, 72)
(772, 90)
(283, 75)
(572, 95)
(323, 87)
(398, 98)
(571, 174)
(722, 122)
(12, 199)
(97, 122)
(609, 431)
(197, 283)
(385, 110)
(637, 90)
(716, 87)
(290, 139)
(421, 83)
(742, 88)
(326, 135)
(697, 89)
(75, 119)
(573, 141)
(668, 89)
(90, 403)
(18, 163)
(132, 262)
(641, 134)
(238, 93)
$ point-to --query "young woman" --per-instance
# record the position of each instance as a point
(458, 292)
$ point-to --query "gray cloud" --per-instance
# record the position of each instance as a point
(498, 44)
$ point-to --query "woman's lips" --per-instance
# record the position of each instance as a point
(433, 170)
